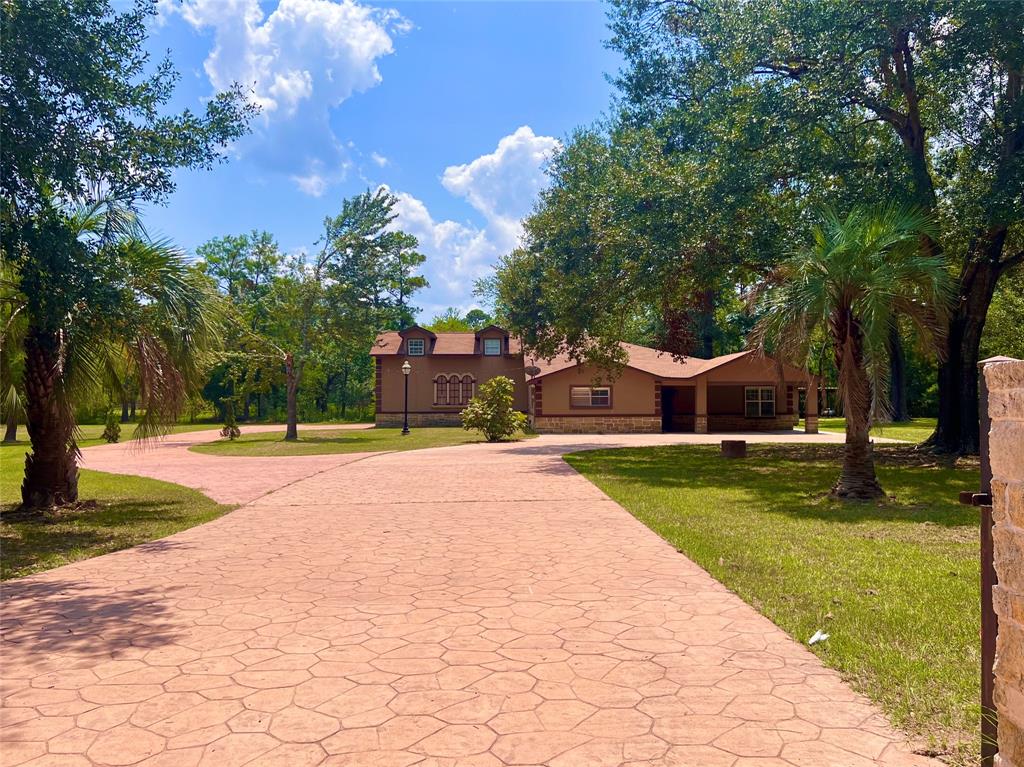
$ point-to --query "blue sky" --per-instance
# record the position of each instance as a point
(452, 106)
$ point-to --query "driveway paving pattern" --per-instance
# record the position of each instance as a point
(480, 605)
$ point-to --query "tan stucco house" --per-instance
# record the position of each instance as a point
(654, 392)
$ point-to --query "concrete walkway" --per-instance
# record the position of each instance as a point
(480, 605)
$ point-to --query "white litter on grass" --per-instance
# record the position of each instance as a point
(819, 636)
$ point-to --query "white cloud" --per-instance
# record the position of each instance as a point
(380, 159)
(502, 186)
(504, 183)
(298, 63)
(314, 184)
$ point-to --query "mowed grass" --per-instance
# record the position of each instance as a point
(917, 430)
(115, 512)
(91, 433)
(321, 441)
(894, 583)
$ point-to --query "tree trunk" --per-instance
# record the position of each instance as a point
(897, 378)
(344, 391)
(706, 321)
(245, 407)
(857, 479)
(957, 430)
(292, 388)
(124, 410)
(11, 432)
(133, 409)
(51, 470)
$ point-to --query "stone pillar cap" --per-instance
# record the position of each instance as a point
(998, 359)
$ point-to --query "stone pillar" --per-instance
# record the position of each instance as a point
(811, 404)
(700, 421)
(1005, 380)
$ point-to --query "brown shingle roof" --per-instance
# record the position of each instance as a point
(657, 363)
(390, 343)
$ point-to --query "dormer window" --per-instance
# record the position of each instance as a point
(492, 347)
(416, 347)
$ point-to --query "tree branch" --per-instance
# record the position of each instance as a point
(1011, 261)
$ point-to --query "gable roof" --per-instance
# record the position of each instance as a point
(416, 329)
(390, 343)
(657, 363)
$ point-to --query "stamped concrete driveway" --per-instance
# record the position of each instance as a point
(476, 605)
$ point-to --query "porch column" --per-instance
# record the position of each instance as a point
(700, 420)
(811, 403)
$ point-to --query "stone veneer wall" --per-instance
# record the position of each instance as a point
(394, 420)
(739, 423)
(597, 424)
(1005, 382)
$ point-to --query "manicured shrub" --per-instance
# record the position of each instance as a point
(111, 429)
(491, 411)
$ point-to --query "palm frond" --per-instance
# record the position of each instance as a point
(856, 277)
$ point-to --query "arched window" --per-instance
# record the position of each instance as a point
(441, 390)
(453, 390)
(467, 389)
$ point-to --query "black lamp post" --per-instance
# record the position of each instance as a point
(406, 370)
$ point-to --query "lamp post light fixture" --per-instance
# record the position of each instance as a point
(406, 370)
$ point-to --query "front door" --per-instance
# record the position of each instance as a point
(678, 406)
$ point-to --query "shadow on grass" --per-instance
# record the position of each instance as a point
(777, 478)
(57, 536)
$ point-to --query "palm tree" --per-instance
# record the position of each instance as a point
(857, 276)
(102, 298)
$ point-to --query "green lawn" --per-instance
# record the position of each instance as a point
(320, 441)
(917, 430)
(895, 583)
(90, 433)
(128, 511)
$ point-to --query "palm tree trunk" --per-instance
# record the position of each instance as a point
(292, 388)
(11, 432)
(51, 470)
(857, 479)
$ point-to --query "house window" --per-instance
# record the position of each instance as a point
(760, 401)
(453, 389)
(590, 396)
(492, 347)
(416, 347)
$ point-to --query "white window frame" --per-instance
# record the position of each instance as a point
(585, 396)
(412, 344)
(497, 352)
(762, 398)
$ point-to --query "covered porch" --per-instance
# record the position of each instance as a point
(703, 405)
